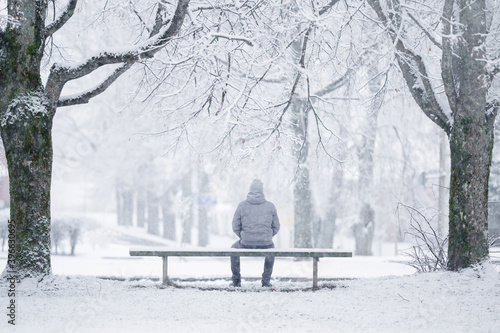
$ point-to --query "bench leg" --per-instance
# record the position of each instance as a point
(315, 272)
(165, 270)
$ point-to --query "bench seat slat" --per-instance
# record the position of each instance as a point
(241, 253)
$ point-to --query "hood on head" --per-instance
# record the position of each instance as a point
(257, 186)
(256, 193)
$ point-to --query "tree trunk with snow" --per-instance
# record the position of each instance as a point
(303, 207)
(471, 143)
(27, 110)
(466, 78)
(26, 123)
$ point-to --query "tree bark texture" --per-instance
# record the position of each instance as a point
(26, 124)
(471, 140)
(471, 144)
(28, 147)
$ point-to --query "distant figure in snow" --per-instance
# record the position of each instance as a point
(255, 222)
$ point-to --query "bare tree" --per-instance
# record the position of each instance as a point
(469, 64)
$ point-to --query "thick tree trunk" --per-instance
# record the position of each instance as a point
(28, 147)
(26, 124)
(471, 146)
(471, 142)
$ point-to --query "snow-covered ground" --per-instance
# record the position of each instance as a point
(359, 294)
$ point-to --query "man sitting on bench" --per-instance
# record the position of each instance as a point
(255, 222)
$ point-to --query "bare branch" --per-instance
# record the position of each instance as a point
(328, 7)
(336, 84)
(62, 19)
(238, 38)
(426, 32)
(173, 28)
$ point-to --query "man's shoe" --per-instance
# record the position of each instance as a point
(266, 285)
(235, 284)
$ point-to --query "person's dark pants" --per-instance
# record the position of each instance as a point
(268, 263)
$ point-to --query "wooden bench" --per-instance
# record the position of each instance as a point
(295, 253)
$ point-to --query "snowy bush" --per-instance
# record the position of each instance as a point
(429, 252)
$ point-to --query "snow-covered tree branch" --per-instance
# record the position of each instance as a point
(161, 34)
(62, 19)
(413, 67)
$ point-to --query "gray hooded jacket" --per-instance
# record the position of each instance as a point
(256, 221)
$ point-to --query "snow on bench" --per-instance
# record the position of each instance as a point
(210, 252)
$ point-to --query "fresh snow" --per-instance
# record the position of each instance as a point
(432, 302)
(103, 289)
